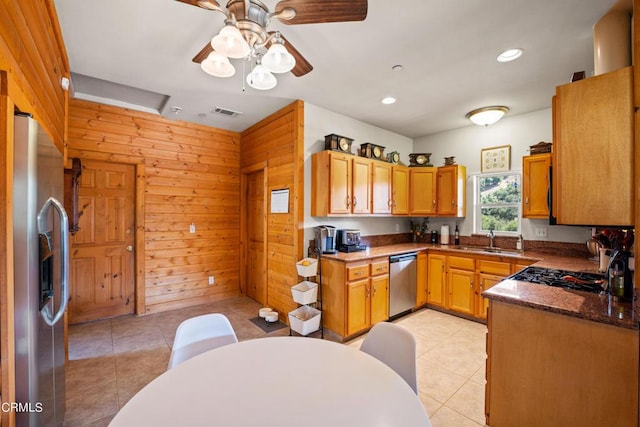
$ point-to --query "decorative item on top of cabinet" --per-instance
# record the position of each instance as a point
(393, 157)
(420, 159)
(371, 151)
(593, 152)
(71, 178)
(337, 143)
(448, 161)
(540, 148)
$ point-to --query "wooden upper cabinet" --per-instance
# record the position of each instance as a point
(400, 190)
(422, 190)
(451, 190)
(382, 190)
(340, 184)
(535, 185)
(593, 151)
(361, 186)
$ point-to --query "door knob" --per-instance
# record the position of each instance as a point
(129, 248)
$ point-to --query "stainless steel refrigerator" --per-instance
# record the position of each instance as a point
(41, 257)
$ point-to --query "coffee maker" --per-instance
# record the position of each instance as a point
(325, 239)
(618, 271)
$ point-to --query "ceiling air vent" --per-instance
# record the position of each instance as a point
(226, 112)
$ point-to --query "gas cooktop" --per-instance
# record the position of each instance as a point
(587, 282)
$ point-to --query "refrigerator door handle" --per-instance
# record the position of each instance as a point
(43, 215)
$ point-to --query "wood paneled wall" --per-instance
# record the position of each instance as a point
(33, 54)
(192, 175)
(32, 62)
(278, 143)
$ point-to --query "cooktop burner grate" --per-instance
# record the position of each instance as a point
(587, 282)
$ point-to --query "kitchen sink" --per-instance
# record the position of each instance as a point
(489, 249)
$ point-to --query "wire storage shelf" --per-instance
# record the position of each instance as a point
(307, 318)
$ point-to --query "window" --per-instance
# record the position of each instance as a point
(498, 203)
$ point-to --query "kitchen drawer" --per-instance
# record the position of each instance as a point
(379, 267)
(494, 267)
(359, 271)
(461, 263)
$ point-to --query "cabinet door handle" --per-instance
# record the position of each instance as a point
(347, 202)
(434, 202)
(452, 203)
(390, 203)
(355, 201)
(368, 292)
(374, 291)
(526, 200)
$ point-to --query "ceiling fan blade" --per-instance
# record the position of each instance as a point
(302, 66)
(200, 56)
(314, 11)
(205, 4)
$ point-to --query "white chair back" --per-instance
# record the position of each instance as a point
(199, 334)
(396, 347)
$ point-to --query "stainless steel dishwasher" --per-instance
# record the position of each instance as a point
(402, 283)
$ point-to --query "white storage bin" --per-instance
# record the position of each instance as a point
(304, 320)
(305, 292)
(307, 270)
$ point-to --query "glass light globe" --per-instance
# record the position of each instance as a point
(230, 42)
(217, 65)
(278, 59)
(260, 78)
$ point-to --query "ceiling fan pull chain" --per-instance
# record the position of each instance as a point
(244, 75)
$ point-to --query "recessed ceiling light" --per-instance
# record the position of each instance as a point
(388, 100)
(510, 55)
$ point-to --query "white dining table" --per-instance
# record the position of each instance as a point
(279, 381)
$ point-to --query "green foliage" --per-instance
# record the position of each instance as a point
(500, 219)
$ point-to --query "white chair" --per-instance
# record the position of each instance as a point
(199, 334)
(396, 347)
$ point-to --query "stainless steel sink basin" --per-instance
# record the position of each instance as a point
(488, 249)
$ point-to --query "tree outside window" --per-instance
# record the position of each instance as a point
(498, 203)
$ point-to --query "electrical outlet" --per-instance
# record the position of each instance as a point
(541, 231)
(211, 280)
(192, 228)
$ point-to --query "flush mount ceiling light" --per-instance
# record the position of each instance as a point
(510, 55)
(245, 36)
(486, 116)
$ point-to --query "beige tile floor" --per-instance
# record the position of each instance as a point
(110, 360)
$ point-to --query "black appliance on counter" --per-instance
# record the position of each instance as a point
(349, 241)
(579, 281)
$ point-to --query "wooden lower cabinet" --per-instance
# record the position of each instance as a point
(548, 369)
(356, 294)
(455, 282)
(436, 279)
(421, 279)
(460, 291)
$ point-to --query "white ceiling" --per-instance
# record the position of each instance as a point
(447, 47)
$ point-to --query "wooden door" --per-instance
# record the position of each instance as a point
(255, 266)
(435, 279)
(102, 259)
(358, 306)
(379, 298)
(461, 292)
(422, 191)
(400, 185)
(381, 198)
(340, 184)
(361, 203)
(535, 185)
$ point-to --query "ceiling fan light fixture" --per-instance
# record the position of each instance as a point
(278, 59)
(217, 65)
(260, 78)
(486, 116)
(230, 42)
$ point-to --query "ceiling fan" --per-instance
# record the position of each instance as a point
(245, 35)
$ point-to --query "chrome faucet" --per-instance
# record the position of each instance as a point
(491, 236)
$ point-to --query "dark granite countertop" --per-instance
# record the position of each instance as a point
(584, 305)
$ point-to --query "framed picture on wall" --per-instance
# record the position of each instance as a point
(495, 159)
